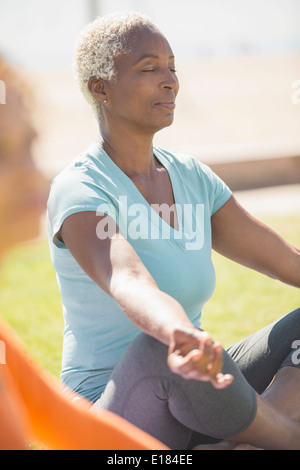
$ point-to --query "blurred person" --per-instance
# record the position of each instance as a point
(31, 405)
(134, 269)
(23, 190)
(22, 201)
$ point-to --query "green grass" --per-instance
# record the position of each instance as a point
(30, 303)
(244, 301)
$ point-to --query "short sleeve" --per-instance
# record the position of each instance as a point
(71, 193)
(217, 189)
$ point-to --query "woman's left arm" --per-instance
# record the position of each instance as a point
(240, 237)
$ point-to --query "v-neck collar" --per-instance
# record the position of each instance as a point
(167, 230)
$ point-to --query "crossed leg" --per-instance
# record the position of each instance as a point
(144, 391)
(271, 365)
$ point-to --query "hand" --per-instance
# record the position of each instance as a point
(193, 355)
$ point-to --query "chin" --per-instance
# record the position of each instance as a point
(166, 123)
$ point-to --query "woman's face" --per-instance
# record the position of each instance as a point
(144, 92)
(23, 190)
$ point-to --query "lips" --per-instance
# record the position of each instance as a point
(166, 104)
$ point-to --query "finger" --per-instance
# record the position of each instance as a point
(206, 355)
(183, 363)
(218, 379)
(186, 369)
(199, 359)
(187, 339)
(187, 366)
(217, 362)
(202, 361)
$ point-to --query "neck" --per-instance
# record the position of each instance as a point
(132, 153)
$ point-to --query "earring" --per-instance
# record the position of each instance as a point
(105, 101)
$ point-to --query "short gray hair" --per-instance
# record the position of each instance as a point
(99, 44)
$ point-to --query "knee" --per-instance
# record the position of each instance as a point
(295, 314)
(144, 356)
(148, 345)
(294, 320)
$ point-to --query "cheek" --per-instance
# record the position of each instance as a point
(134, 98)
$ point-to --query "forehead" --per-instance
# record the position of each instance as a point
(145, 42)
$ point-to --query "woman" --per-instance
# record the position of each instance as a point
(131, 229)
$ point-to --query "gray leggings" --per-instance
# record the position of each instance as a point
(180, 412)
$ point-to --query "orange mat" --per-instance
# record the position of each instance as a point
(33, 409)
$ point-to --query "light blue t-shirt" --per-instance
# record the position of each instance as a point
(97, 331)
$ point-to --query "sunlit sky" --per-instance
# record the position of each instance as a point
(42, 33)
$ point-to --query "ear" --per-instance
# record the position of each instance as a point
(97, 88)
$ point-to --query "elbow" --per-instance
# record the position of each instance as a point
(129, 281)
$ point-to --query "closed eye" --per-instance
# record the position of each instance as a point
(154, 69)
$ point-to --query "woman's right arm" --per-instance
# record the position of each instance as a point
(112, 263)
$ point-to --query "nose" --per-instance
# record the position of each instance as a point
(170, 80)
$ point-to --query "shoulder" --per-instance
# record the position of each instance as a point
(187, 164)
(86, 173)
(83, 185)
(82, 167)
(198, 178)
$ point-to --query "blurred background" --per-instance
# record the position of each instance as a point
(237, 62)
(238, 111)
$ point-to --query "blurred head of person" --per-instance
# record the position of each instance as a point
(23, 189)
